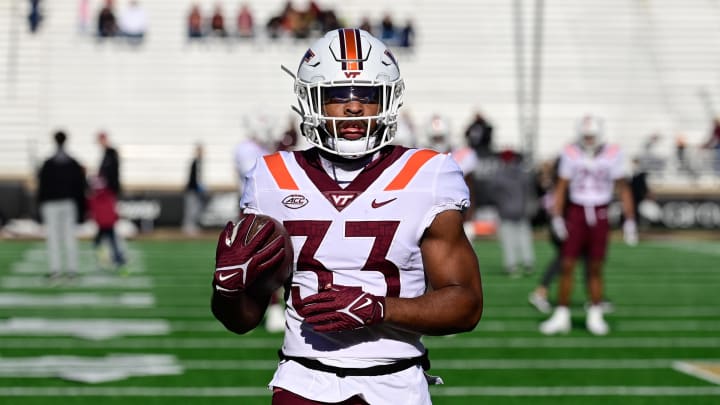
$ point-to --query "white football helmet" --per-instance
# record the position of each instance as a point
(348, 64)
(590, 131)
(438, 134)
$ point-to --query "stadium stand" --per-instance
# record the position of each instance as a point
(641, 65)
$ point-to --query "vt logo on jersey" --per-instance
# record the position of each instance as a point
(340, 199)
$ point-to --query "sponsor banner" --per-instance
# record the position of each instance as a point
(165, 208)
(675, 213)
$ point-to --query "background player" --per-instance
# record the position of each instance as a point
(381, 256)
(589, 171)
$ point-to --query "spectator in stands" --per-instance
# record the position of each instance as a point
(83, 16)
(107, 24)
(35, 16)
(329, 21)
(294, 23)
(245, 24)
(365, 25)
(512, 195)
(273, 27)
(133, 22)
(407, 35)
(713, 142)
(195, 22)
(387, 30)
(479, 135)
(109, 169)
(194, 194)
(61, 197)
(102, 204)
(217, 22)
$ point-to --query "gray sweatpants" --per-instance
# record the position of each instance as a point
(516, 242)
(60, 217)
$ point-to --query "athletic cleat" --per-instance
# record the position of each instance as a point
(606, 305)
(559, 322)
(539, 302)
(595, 322)
(275, 318)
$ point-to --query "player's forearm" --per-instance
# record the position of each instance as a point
(627, 201)
(559, 206)
(451, 309)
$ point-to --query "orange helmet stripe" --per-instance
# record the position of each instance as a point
(350, 49)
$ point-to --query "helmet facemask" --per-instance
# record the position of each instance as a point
(590, 134)
(324, 131)
(329, 76)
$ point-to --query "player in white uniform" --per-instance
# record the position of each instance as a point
(589, 173)
(380, 253)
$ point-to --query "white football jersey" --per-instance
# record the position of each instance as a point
(245, 155)
(466, 159)
(591, 178)
(366, 234)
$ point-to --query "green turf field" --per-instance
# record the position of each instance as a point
(148, 337)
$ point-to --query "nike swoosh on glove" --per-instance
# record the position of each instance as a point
(341, 308)
(240, 260)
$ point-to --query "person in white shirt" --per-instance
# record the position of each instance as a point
(589, 173)
(133, 22)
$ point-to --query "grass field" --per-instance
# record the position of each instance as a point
(148, 337)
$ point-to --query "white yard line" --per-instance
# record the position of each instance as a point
(621, 311)
(709, 325)
(708, 248)
(439, 343)
(649, 391)
(94, 281)
(64, 300)
(210, 392)
(489, 364)
(524, 311)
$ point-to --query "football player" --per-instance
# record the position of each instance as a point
(589, 172)
(381, 258)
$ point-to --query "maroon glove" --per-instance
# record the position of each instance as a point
(342, 308)
(244, 252)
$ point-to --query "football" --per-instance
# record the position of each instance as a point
(274, 278)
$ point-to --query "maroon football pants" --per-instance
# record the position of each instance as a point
(284, 397)
(585, 236)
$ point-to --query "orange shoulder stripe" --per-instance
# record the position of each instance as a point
(410, 169)
(280, 172)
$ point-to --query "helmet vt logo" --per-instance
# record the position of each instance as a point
(351, 75)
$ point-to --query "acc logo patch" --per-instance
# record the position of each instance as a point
(295, 201)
